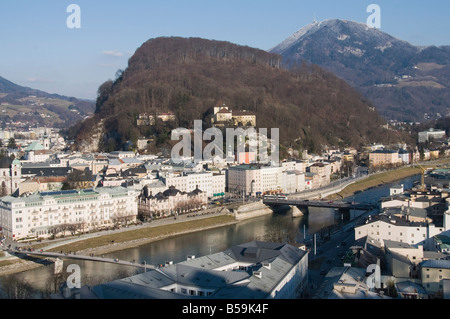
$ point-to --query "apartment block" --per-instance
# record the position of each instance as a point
(255, 180)
(384, 157)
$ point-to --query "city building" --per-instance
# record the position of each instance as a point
(347, 283)
(323, 170)
(396, 190)
(49, 213)
(403, 259)
(401, 229)
(384, 158)
(431, 134)
(255, 270)
(435, 275)
(294, 182)
(405, 156)
(253, 180)
(10, 175)
(294, 166)
(171, 202)
(246, 157)
(209, 182)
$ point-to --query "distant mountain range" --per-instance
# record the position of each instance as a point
(189, 76)
(405, 82)
(35, 107)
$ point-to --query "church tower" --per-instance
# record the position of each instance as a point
(16, 175)
(46, 142)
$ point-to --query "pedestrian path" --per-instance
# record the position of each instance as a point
(51, 244)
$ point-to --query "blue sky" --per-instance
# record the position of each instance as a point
(38, 50)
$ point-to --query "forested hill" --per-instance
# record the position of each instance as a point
(189, 76)
(24, 104)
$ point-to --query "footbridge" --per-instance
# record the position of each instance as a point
(47, 254)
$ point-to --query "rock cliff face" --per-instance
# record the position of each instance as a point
(188, 77)
(403, 81)
(91, 143)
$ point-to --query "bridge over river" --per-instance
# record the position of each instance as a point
(303, 205)
(48, 254)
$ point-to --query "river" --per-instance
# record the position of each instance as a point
(202, 243)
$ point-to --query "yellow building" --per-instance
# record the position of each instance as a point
(383, 158)
(244, 118)
(223, 115)
(434, 154)
(348, 157)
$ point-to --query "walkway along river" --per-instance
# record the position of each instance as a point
(201, 243)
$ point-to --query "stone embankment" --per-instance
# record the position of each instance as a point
(252, 210)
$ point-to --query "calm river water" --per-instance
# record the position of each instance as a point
(202, 243)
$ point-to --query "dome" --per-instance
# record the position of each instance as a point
(6, 162)
(172, 191)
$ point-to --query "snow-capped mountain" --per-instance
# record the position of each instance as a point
(404, 81)
(348, 33)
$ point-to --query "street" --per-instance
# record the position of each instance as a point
(329, 254)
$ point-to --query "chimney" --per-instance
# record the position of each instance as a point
(267, 265)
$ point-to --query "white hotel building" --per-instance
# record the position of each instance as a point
(38, 214)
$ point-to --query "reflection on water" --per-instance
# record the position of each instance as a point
(202, 243)
(320, 218)
(174, 249)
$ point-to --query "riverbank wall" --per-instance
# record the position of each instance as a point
(251, 210)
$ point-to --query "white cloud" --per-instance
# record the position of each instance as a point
(113, 53)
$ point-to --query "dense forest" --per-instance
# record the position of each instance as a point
(189, 76)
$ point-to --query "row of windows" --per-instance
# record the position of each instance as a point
(192, 292)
